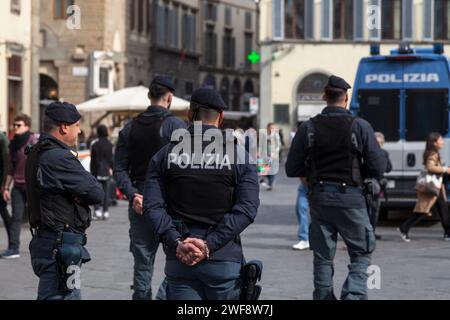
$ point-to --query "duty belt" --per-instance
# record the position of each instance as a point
(332, 187)
(62, 237)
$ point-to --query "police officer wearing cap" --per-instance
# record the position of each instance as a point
(201, 192)
(334, 152)
(138, 142)
(59, 192)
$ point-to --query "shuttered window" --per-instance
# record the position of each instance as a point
(278, 19)
(327, 7)
(428, 20)
(309, 19)
(358, 20)
(408, 19)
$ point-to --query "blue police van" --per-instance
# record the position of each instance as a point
(405, 95)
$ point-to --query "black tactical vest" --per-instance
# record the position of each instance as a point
(145, 141)
(332, 153)
(47, 210)
(200, 191)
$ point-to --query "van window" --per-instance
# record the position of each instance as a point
(381, 108)
(426, 111)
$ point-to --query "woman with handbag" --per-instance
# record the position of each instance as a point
(432, 193)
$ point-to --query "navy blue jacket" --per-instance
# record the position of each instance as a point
(374, 161)
(233, 223)
(62, 172)
(121, 157)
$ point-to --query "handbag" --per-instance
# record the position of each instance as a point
(429, 183)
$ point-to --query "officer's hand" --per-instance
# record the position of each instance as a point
(200, 244)
(138, 199)
(189, 254)
(6, 195)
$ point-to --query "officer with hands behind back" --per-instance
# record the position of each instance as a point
(198, 200)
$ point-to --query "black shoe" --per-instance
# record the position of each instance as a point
(378, 237)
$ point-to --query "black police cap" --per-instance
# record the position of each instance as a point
(165, 82)
(338, 83)
(63, 112)
(208, 98)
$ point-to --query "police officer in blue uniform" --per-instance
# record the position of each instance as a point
(198, 198)
(138, 142)
(334, 152)
(59, 192)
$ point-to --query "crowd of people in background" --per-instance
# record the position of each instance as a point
(13, 158)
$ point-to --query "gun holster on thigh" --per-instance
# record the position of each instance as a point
(251, 273)
(69, 259)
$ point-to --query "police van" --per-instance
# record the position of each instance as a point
(405, 95)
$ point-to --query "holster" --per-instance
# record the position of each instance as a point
(251, 273)
(69, 258)
(369, 196)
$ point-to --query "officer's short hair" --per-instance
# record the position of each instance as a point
(157, 91)
(334, 95)
(203, 114)
(50, 124)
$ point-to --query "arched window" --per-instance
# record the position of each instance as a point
(48, 88)
(309, 96)
(311, 88)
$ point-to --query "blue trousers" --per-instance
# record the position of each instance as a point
(302, 210)
(143, 246)
(51, 286)
(209, 280)
(355, 228)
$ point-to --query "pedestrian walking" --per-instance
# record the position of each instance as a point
(302, 211)
(426, 201)
(102, 168)
(17, 158)
(379, 186)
